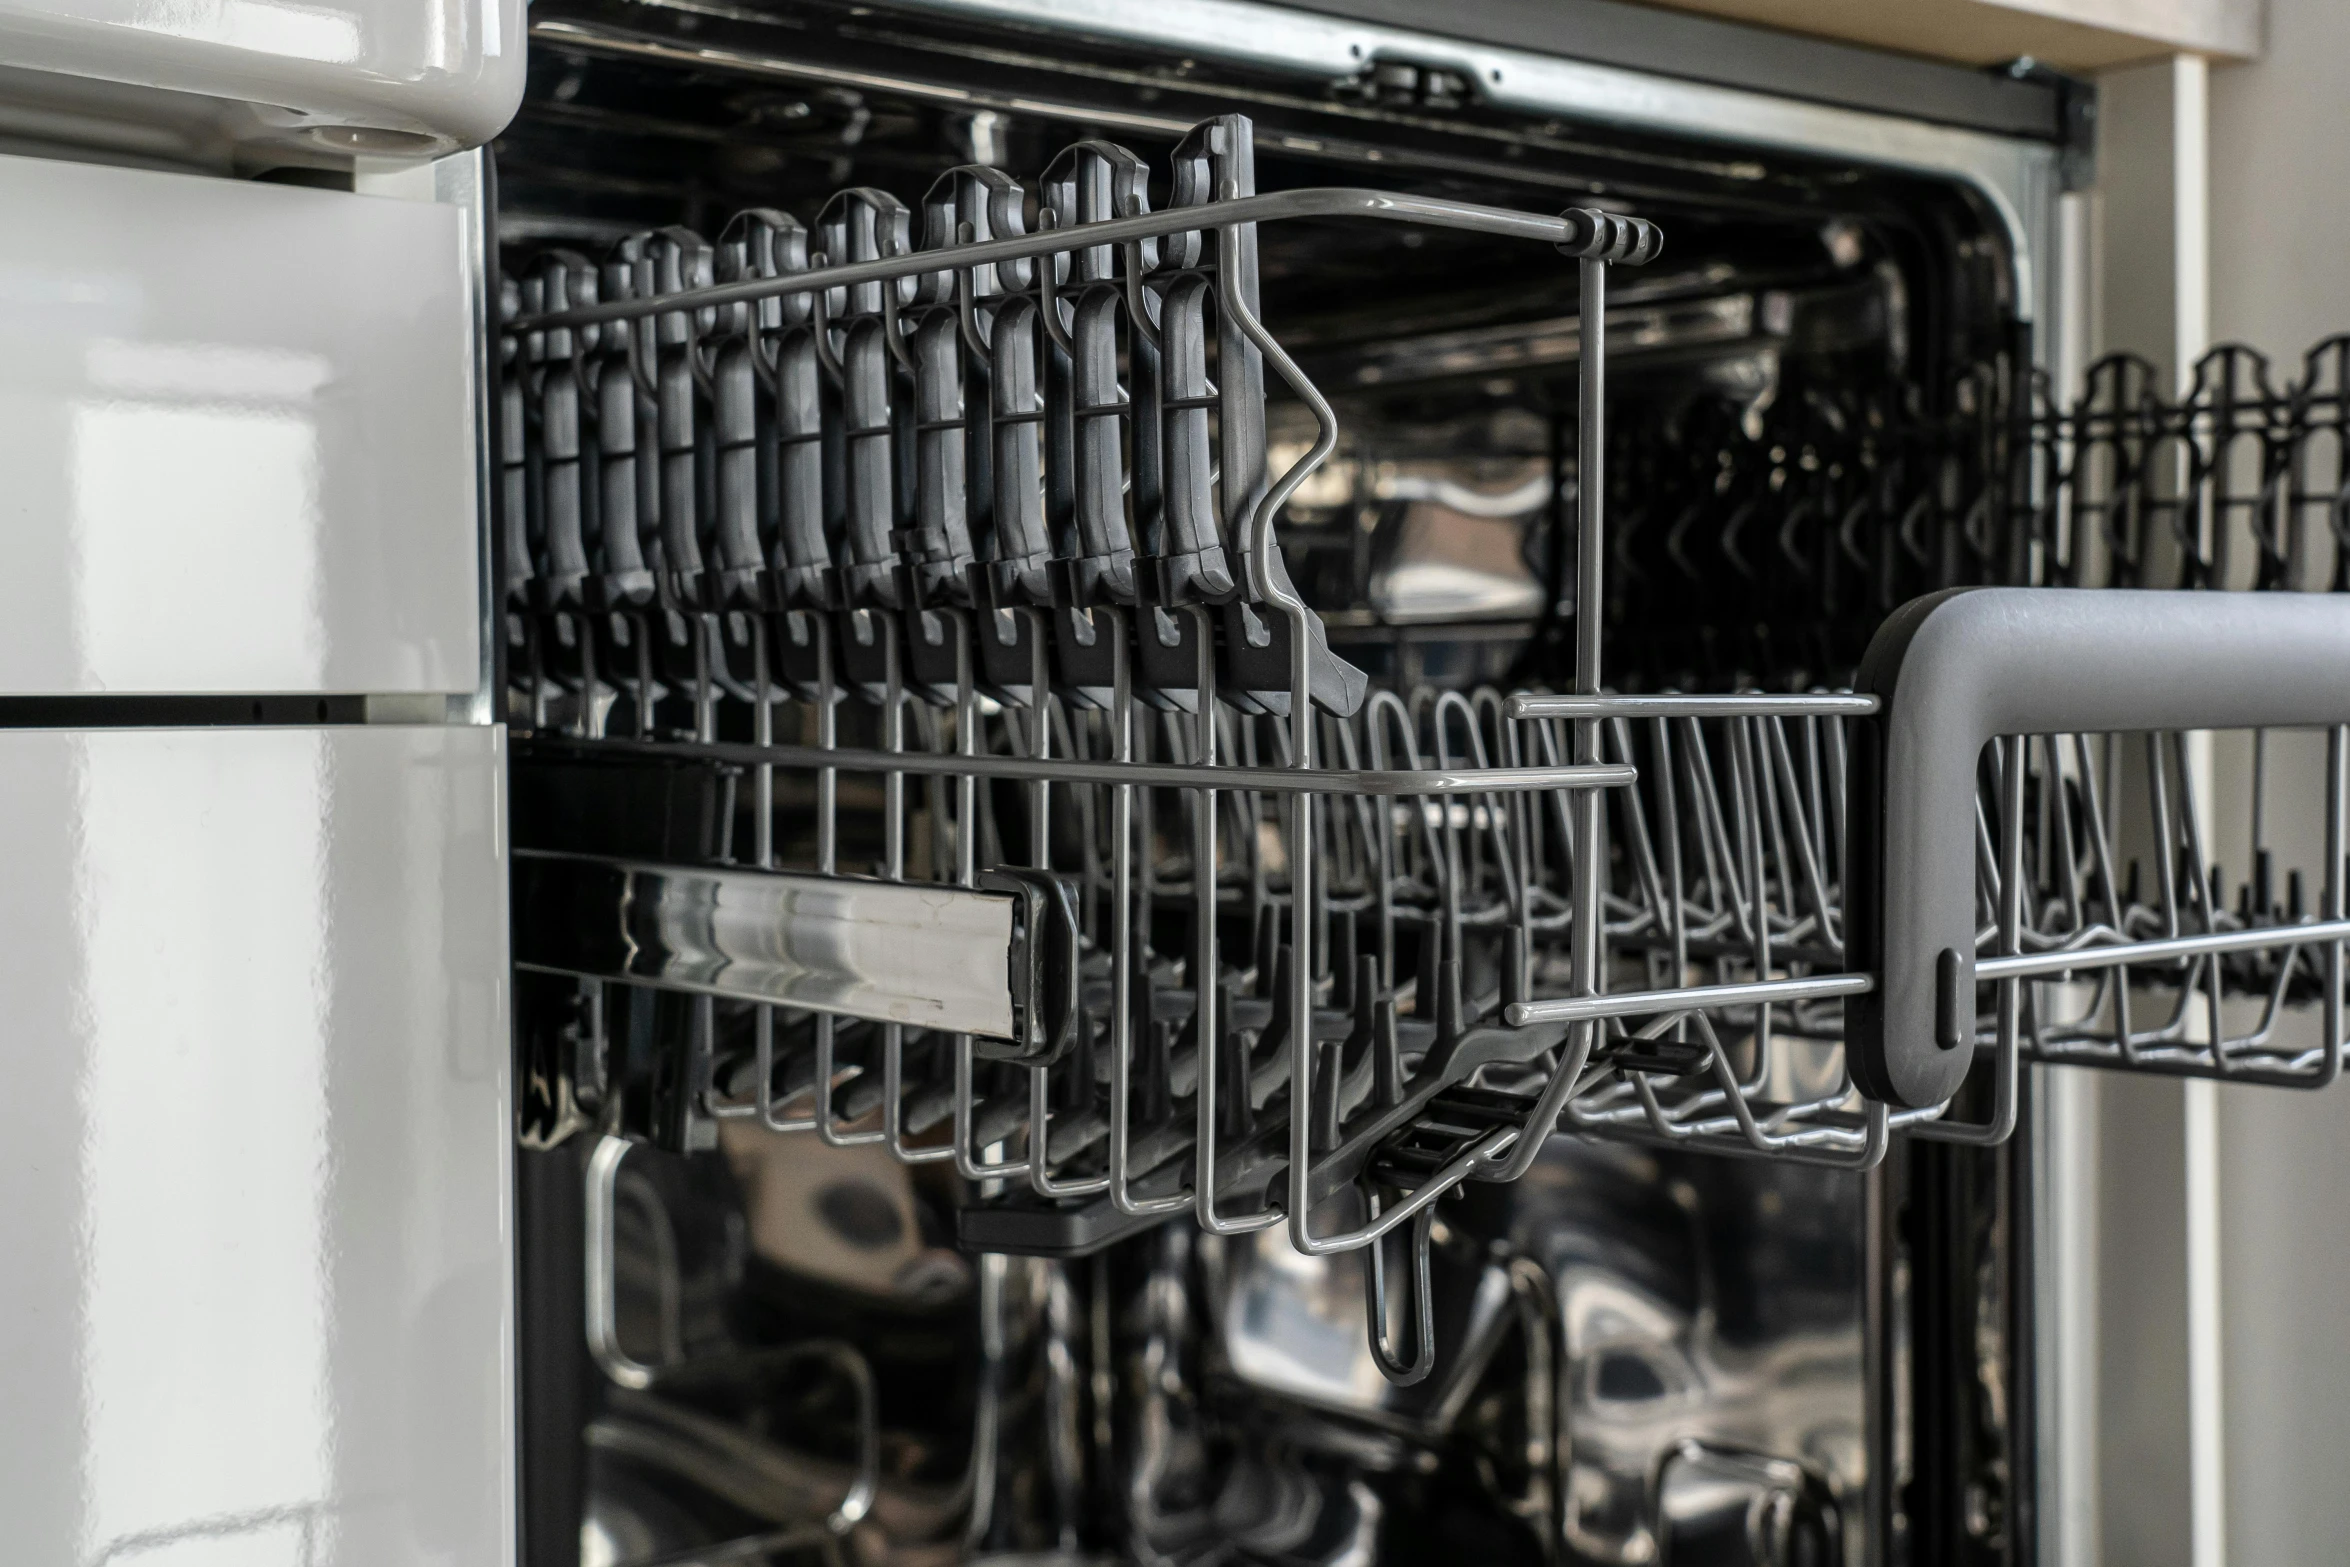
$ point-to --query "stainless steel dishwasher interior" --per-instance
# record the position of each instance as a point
(840, 1347)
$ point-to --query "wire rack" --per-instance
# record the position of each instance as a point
(950, 547)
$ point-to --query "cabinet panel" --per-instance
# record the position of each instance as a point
(238, 424)
(255, 1303)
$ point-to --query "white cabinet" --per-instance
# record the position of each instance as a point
(257, 1301)
(238, 423)
(389, 77)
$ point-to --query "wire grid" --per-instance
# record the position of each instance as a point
(642, 602)
(1455, 1006)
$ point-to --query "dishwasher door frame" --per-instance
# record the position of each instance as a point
(2022, 184)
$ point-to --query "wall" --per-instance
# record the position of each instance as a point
(2278, 256)
(2280, 279)
(2073, 35)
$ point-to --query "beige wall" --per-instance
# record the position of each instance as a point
(2278, 260)
(2280, 279)
(2073, 35)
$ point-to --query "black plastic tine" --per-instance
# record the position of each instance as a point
(1089, 182)
(743, 440)
(953, 212)
(1216, 161)
(1013, 580)
(558, 481)
(627, 497)
(1235, 1071)
(680, 259)
(1387, 1064)
(861, 225)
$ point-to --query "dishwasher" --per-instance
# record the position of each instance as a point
(1261, 824)
(1249, 787)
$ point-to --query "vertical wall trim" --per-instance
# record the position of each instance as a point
(2206, 1457)
(2066, 1127)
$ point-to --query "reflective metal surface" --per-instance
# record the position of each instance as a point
(239, 429)
(256, 1306)
(2017, 178)
(933, 956)
(1293, 1325)
(1694, 1322)
(1696, 1300)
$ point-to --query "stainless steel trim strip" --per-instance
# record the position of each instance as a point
(914, 953)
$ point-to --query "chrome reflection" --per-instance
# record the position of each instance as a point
(929, 956)
(1670, 1344)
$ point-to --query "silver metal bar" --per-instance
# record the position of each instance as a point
(2039, 965)
(921, 955)
(1694, 998)
(1587, 937)
(1154, 775)
(1321, 201)
(1816, 704)
(603, 1306)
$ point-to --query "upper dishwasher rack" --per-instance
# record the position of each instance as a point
(960, 558)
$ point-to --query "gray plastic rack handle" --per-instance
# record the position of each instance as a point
(1958, 668)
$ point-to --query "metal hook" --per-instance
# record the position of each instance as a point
(1419, 1326)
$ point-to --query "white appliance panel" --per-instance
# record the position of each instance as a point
(258, 1302)
(387, 77)
(238, 423)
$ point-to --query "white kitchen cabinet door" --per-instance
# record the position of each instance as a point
(238, 424)
(255, 1302)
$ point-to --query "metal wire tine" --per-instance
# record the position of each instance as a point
(1587, 955)
(2067, 851)
(2100, 838)
(1722, 873)
(967, 741)
(2336, 828)
(1675, 871)
(1125, 959)
(1274, 590)
(1815, 879)
(1770, 812)
(2204, 973)
(1452, 875)
(1419, 1306)
(1746, 787)
(827, 863)
(1638, 836)
(1040, 1177)
(1845, 1147)
(1206, 979)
